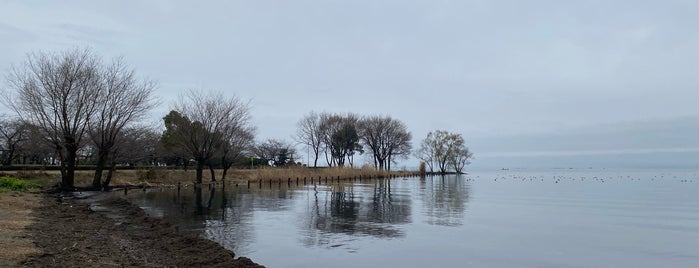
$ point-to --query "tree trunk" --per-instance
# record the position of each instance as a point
(101, 163)
(200, 171)
(68, 179)
(315, 161)
(388, 165)
(225, 171)
(110, 173)
(213, 173)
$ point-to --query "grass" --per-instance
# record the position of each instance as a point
(8, 183)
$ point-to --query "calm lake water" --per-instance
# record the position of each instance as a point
(554, 218)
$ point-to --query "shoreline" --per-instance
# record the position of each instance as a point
(94, 229)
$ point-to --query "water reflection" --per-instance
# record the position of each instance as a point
(355, 210)
(629, 222)
(327, 216)
(445, 199)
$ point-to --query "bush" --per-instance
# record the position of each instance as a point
(15, 184)
(423, 168)
(148, 175)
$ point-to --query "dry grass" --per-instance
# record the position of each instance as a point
(168, 177)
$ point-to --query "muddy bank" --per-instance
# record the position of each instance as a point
(99, 230)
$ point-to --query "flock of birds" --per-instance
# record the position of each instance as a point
(560, 178)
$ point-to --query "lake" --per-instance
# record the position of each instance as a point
(509, 218)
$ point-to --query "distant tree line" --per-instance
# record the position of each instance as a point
(338, 138)
(74, 108)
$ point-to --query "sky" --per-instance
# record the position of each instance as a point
(545, 84)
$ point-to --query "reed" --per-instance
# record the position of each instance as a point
(172, 177)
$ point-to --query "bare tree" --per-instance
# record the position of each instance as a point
(123, 100)
(238, 137)
(58, 93)
(460, 158)
(198, 125)
(309, 132)
(443, 149)
(275, 152)
(386, 138)
(339, 137)
(426, 152)
(329, 124)
(235, 147)
(13, 134)
(133, 145)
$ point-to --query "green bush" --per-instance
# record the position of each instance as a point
(147, 175)
(15, 184)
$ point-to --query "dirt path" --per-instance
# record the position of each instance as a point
(15, 216)
(98, 230)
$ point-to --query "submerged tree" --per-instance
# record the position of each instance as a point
(443, 149)
(460, 158)
(58, 93)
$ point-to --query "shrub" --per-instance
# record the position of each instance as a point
(15, 184)
(148, 175)
(423, 168)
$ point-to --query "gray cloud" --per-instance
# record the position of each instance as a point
(497, 71)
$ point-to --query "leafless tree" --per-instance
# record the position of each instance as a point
(132, 145)
(123, 100)
(426, 152)
(13, 135)
(309, 132)
(58, 93)
(275, 152)
(339, 137)
(199, 122)
(444, 149)
(460, 159)
(238, 137)
(386, 138)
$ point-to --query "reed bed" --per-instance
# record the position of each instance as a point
(171, 177)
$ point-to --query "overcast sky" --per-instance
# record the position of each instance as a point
(528, 83)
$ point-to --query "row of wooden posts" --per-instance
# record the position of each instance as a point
(313, 180)
(304, 180)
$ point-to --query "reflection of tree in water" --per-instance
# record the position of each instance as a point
(230, 219)
(341, 210)
(222, 214)
(445, 199)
